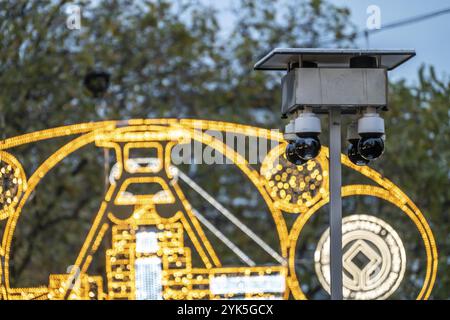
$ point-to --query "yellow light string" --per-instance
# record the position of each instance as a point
(105, 134)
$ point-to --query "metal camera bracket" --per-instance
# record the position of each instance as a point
(321, 88)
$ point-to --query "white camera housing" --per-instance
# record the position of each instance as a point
(371, 123)
(289, 131)
(352, 131)
(307, 122)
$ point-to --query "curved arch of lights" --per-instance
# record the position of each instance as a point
(277, 200)
(381, 193)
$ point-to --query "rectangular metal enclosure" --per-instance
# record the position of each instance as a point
(327, 87)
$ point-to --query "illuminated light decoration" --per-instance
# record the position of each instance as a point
(12, 183)
(374, 258)
(35, 293)
(148, 278)
(114, 174)
(146, 242)
(179, 278)
(143, 164)
(294, 188)
(163, 196)
(83, 287)
(247, 284)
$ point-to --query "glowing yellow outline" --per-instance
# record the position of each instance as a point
(267, 166)
(211, 125)
(142, 145)
(350, 191)
(143, 199)
(21, 185)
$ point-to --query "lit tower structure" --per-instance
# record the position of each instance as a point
(157, 238)
(148, 215)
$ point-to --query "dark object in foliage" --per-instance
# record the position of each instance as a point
(97, 82)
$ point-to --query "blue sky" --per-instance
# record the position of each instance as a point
(430, 38)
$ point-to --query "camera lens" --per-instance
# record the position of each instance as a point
(371, 147)
(307, 147)
(292, 157)
(354, 155)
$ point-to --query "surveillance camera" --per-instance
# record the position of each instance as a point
(307, 146)
(307, 128)
(292, 157)
(289, 131)
(352, 150)
(371, 131)
(290, 137)
(302, 134)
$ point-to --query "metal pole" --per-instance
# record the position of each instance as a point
(335, 204)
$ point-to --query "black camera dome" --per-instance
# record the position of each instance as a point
(307, 147)
(292, 156)
(371, 146)
(354, 155)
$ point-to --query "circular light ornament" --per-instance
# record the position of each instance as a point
(12, 183)
(374, 259)
(294, 188)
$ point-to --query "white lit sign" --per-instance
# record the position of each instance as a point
(374, 258)
(148, 278)
(146, 242)
(248, 284)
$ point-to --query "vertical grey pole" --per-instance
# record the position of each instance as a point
(335, 204)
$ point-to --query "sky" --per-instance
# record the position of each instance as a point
(430, 38)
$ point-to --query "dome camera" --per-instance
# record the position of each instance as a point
(307, 128)
(352, 150)
(303, 136)
(292, 156)
(307, 146)
(290, 137)
(371, 131)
